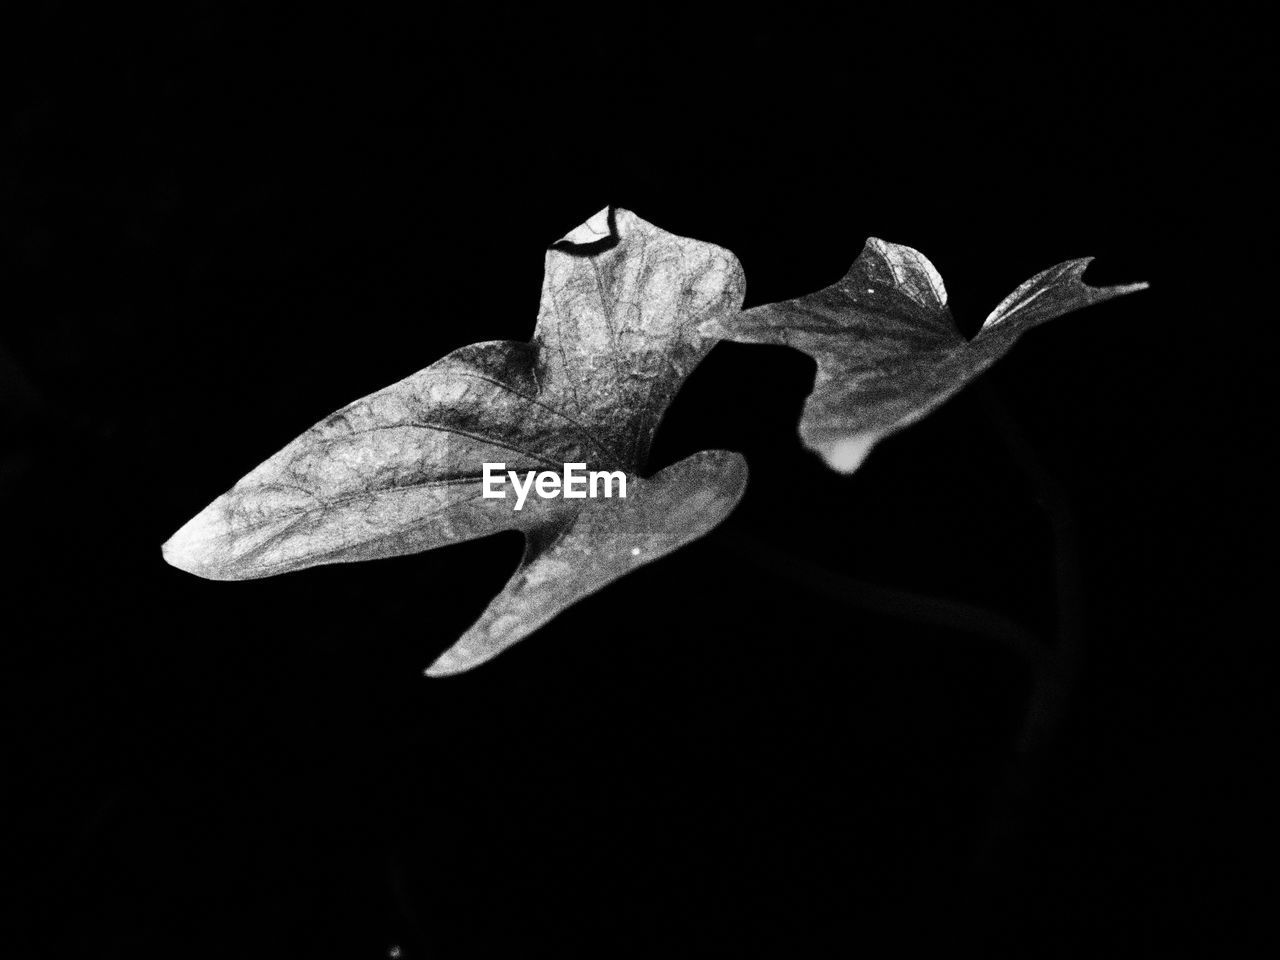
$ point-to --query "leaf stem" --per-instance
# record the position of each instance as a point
(1053, 665)
(1058, 667)
(895, 601)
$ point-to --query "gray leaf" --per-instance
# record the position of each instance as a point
(886, 346)
(399, 471)
(601, 542)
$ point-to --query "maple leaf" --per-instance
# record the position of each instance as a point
(886, 346)
(400, 471)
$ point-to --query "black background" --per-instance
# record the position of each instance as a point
(221, 223)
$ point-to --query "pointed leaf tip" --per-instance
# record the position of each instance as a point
(911, 272)
(846, 454)
(604, 541)
(595, 228)
(193, 548)
(1051, 293)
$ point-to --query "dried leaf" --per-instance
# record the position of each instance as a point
(886, 346)
(399, 471)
